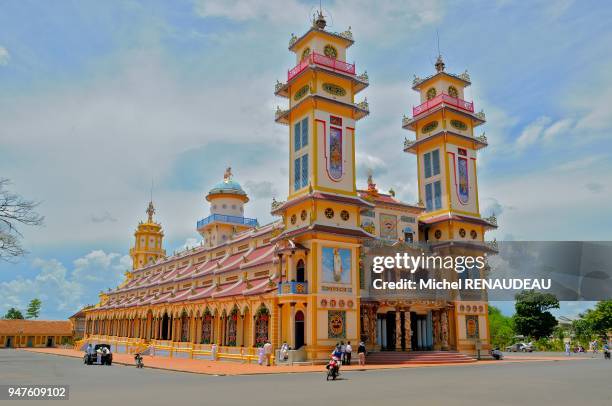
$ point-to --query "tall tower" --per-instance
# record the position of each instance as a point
(227, 199)
(147, 241)
(446, 150)
(319, 288)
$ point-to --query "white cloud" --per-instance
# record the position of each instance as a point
(64, 291)
(4, 56)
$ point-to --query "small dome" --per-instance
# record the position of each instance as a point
(227, 186)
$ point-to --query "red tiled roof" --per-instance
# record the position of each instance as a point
(35, 327)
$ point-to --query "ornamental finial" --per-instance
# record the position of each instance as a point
(150, 211)
(319, 21)
(227, 176)
(439, 64)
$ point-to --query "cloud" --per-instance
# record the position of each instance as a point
(102, 217)
(4, 56)
(261, 190)
(595, 187)
(61, 290)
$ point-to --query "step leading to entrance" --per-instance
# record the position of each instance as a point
(418, 357)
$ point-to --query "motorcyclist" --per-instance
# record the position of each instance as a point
(497, 354)
(138, 359)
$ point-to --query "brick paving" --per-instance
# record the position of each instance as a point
(237, 368)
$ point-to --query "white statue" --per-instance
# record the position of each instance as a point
(337, 265)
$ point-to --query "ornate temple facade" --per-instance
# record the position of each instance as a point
(304, 278)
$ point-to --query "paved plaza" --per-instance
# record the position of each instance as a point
(582, 381)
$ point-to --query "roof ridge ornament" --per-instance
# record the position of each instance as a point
(440, 64)
(227, 176)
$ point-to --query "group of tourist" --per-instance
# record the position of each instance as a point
(264, 353)
(344, 353)
(593, 348)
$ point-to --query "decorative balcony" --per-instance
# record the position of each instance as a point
(227, 219)
(443, 98)
(292, 288)
(323, 61)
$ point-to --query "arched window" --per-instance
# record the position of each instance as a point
(232, 327)
(431, 93)
(261, 326)
(206, 327)
(300, 272)
(299, 329)
(184, 327)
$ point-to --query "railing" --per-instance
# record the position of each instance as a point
(286, 288)
(321, 60)
(443, 98)
(227, 219)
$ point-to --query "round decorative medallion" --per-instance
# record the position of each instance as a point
(329, 213)
(293, 218)
(334, 89)
(332, 303)
(431, 93)
(350, 303)
(323, 302)
(438, 234)
(303, 215)
(462, 232)
(341, 303)
(301, 92)
(299, 288)
(330, 51)
(459, 125)
(344, 215)
(473, 234)
(429, 127)
(452, 91)
(305, 53)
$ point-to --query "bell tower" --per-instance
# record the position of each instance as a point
(148, 239)
(319, 246)
(446, 149)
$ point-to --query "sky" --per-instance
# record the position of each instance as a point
(100, 99)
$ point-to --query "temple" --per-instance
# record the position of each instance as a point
(303, 279)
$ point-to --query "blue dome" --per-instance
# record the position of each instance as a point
(229, 186)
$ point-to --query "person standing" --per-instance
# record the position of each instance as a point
(343, 352)
(361, 353)
(268, 352)
(348, 353)
(261, 355)
(99, 356)
(567, 349)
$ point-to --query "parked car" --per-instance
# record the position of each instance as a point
(92, 358)
(520, 347)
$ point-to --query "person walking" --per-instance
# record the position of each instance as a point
(348, 353)
(361, 353)
(567, 349)
(260, 355)
(268, 351)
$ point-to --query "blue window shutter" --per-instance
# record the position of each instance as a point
(437, 195)
(304, 132)
(428, 197)
(304, 170)
(296, 174)
(297, 136)
(427, 159)
(435, 157)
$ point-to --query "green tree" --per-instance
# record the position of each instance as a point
(600, 318)
(13, 314)
(532, 317)
(501, 328)
(33, 309)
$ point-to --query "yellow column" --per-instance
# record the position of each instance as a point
(192, 332)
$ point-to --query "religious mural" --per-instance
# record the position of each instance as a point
(336, 265)
(207, 328)
(471, 326)
(336, 324)
(463, 188)
(334, 158)
(388, 226)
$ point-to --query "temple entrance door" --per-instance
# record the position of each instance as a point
(9, 342)
(388, 331)
(30, 341)
(49, 341)
(422, 337)
(165, 327)
(299, 329)
(299, 272)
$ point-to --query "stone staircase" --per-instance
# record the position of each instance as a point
(418, 357)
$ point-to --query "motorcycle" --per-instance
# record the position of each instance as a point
(138, 359)
(333, 368)
(497, 354)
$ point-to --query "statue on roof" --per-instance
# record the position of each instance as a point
(439, 64)
(372, 190)
(150, 211)
(228, 174)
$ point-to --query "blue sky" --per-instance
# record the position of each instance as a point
(99, 98)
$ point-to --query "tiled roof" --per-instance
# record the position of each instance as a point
(35, 327)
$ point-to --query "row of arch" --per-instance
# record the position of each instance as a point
(228, 327)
